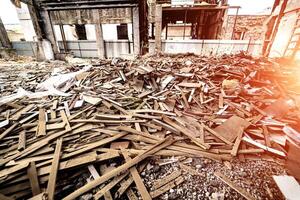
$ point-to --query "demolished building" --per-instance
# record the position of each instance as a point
(219, 125)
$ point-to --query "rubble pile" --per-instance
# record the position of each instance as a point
(147, 128)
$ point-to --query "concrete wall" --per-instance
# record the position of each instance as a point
(209, 47)
(251, 25)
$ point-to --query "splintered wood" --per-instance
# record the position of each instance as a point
(102, 122)
(163, 185)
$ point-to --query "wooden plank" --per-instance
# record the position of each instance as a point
(67, 110)
(28, 118)
(4, 123)
(153, 111)
(107, 121)
(289, 186)
(231, 184)
(106, 116)
(17, 115)
(119, 145)
(257, 144)
(40, 196)
(161, 182)
(186, 132)
(139, 133)
(8, 130)
(186, 103)
(189, 170)
(3, 197)
(231, 127)
(153, 149)
(110, 185)
(41, 129)
(93, 171)
(137, 179)
(96, 144)
(167, 187)
(30, 159)
(166, 126)
(54, 169)
(33, 179)
(237, 143)
(131, 195)
(123, 187)
(190, 85)
(52, 114)
(217, 134)
(54, 104)
(267, 136)
(11, 170)
(221, 101)
(105, 190)
(45, 167)
(65, 119)
(22, 141)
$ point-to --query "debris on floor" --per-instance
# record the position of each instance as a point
(161, 127)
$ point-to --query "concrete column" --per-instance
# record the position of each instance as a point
(34, 15)
(49, 31)
(158, 26)
(144, 26)
(100, 41)
(4, 40)
(136, 30)
(99, 34)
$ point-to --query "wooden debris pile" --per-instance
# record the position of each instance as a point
(116, 114)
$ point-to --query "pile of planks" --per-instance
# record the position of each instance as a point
(119, 113)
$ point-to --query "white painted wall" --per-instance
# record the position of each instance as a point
(57, 32)
(90, 31)
(110, 31)
(8, 13)
(69, 32)
(26, 23)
